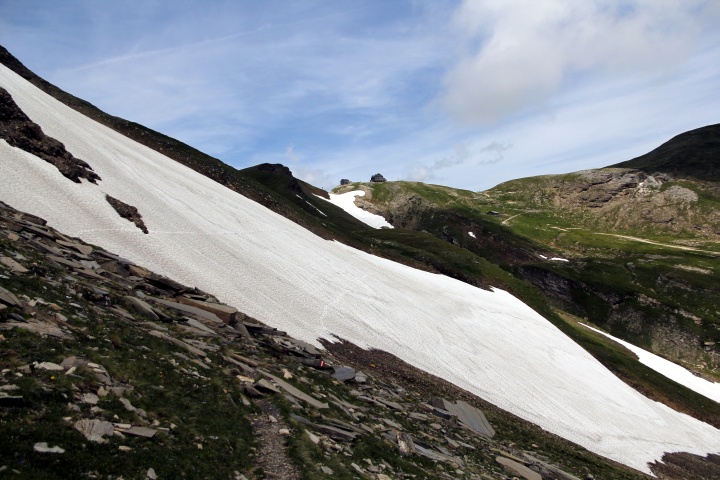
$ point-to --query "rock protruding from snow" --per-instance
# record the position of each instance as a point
(128, 212)
(21, 132)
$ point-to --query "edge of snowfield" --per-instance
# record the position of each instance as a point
(346, 201)
(203, 234)
(671, 370)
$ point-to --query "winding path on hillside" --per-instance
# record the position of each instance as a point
(643, 240)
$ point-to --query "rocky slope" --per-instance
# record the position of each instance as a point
(623, 201)
(111, 370)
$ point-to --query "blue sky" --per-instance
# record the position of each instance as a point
(460, 93)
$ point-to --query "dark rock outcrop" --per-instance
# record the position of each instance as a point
(128, 212)
(19, 131)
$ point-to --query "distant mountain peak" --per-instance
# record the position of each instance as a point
(694, 154)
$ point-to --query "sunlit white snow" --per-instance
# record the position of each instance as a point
(346, 201)
(558, 259)
(472, 234)
(204, 235)
(671, 370)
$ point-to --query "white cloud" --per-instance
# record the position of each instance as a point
(529, 50)
(460, 156)
(291, 155)
(339, 91)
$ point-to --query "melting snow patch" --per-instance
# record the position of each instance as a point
(472, 234)
(671, 370)
(558, 259)
(346, 201)
(316, 208)
(203, 234)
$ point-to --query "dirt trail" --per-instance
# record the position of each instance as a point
(272, 455)
(679, 247)
(505, 222)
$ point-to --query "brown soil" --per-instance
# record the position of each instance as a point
(686, 466)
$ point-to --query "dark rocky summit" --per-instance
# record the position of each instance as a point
(21, 132)
(693, 154)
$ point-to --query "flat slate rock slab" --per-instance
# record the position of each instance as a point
(181, 307)
(137, 431)
(344, 374)
(336, 433)
(140, 306)
(515, 468)
(9, 298)
(470, 416)
(95, 430)
(13, 265)
(224, 312)
(295, 392)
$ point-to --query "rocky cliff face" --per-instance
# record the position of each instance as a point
(626, 200)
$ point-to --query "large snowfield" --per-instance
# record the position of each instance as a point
(205, 235)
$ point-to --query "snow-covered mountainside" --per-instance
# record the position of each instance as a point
(203, 234)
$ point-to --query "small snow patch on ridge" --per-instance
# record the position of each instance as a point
(346, 201)
(671, 370)
(472, 234)
(316, 208)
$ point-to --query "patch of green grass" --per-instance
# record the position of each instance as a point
(191, 404)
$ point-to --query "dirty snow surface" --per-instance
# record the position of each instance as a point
(346, 201)
(671, 370)
(205, 235)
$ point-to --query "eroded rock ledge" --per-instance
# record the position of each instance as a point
(19, 131)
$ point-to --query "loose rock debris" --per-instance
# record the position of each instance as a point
(334, 408)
